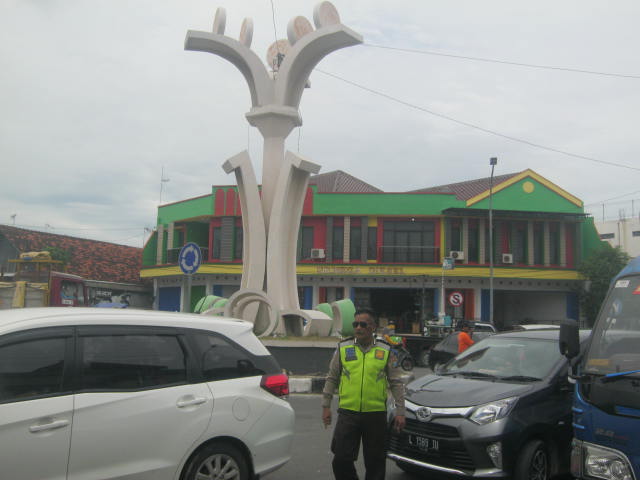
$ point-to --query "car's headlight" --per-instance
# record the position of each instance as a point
(490, 412)
(606, 464)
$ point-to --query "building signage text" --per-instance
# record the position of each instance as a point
(359, 270)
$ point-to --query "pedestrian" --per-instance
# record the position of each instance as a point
(464, 336)
(362, 370)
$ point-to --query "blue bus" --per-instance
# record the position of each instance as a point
(606, 406)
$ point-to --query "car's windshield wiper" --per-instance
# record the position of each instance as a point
(473, 374)
(521, 378)
(612, 377)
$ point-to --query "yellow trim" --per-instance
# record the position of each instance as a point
(527, 173)
(382, 271)
(213, 268)
(372, 221)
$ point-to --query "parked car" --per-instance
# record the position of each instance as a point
(444, 351)
(109, 393)
(534, 326)
(483, 327)
(500, 409)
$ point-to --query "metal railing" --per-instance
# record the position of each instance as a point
(408, 254)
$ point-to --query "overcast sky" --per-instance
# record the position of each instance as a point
(97, 96)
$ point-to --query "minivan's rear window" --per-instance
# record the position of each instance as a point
(221, 359)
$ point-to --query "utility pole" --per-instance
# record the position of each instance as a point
(492, 161)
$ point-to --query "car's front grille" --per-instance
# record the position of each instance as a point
(431, 429)
(451, 452)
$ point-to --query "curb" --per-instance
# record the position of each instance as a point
(301, 384)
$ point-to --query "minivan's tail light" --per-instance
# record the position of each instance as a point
(277, 384)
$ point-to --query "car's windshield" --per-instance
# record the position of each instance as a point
(615, 344)
(524, 359)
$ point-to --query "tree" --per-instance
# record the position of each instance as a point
(58, 253)
(598, 269)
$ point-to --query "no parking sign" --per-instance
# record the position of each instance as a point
(456, 299)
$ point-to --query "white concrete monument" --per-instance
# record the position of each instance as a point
(271, 220)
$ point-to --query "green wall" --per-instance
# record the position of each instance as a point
(194, 207)
(150, 249)
(590, 238)
(380, 204)
(542, 199)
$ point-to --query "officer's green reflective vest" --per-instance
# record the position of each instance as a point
(363, 382)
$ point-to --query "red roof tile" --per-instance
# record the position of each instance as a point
(468, 189)
(90, 259)
(341, 182)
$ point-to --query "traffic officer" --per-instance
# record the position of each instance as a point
(362, 369)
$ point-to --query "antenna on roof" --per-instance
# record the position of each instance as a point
(13, 218)
(163, 180)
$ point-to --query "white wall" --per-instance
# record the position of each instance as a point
(623, 234)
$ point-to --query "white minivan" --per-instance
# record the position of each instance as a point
(92, 394)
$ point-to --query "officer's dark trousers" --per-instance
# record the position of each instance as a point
(351, 428)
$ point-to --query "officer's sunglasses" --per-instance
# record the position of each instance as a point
(360, 324)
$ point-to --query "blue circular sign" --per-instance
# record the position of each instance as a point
(190, 258)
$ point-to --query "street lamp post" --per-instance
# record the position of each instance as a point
(492, 161)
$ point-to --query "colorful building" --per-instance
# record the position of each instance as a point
(385, 250)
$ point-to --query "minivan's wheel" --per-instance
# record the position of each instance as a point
(217, 462)
(407, 364)
(533, 462)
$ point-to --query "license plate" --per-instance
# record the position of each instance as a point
(424, 443)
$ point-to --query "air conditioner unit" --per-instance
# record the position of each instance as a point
(507, 258)
(456, 255)
(317, 253)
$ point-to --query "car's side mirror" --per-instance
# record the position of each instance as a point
(569, 342)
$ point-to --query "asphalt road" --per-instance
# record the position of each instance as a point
(311, 446)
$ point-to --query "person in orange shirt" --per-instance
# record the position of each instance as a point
(464, 337)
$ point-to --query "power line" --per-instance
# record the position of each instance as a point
(477, 127)
(273, 18)
(614, 198)
(504, 62)
(275, 32)
(76, 228)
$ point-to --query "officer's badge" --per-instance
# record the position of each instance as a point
(379, 354)
(350, 354)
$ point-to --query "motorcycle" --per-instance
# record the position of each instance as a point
(405, 359)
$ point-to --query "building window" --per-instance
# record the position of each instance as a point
(491, 248)
(355, 244)
(474, 242)
(217, 241)
(338, 243)
(305, 243)
(456, 236)
(237, 243)
(372, 243)
(409, 242)
(538, 244)
(607, 236)
(635, 233)
(520, 245)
